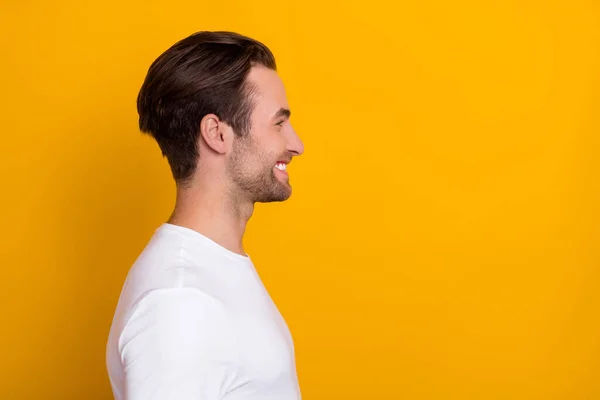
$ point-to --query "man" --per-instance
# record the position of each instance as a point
(194, 321)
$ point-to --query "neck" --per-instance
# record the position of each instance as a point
(216, 214)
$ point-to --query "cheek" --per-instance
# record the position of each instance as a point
(278, 142)
(261, 154)
(256, 160)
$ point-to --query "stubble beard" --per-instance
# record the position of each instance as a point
(251, 171)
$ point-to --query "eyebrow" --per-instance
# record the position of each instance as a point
(283, 112)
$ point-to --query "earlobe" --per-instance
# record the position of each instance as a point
(211, 129)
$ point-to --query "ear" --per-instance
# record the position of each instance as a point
(215, 133)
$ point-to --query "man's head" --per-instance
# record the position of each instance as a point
(214, 101)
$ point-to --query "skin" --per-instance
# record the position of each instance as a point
(235, 172)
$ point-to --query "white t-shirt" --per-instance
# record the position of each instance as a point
(195, 322)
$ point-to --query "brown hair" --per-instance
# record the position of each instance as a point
(202, 74)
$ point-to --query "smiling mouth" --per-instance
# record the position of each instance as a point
(281, 166)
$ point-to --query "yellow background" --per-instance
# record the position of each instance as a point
(442, 238)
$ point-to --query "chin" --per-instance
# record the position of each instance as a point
(278, 199)
(275, 197)
(288, 193)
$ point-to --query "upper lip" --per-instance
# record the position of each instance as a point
(284, 162)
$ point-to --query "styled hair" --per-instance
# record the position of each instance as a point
(202, 74)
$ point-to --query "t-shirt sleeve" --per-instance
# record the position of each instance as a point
(178, 345)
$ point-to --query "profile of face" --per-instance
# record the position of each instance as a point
(258, 161)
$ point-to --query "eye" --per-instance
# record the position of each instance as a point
(280, 123)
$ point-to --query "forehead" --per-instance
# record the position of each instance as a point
(270, 92)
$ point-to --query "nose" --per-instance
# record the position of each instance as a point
(295, 144)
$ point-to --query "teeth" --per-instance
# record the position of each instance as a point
(281, 166)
